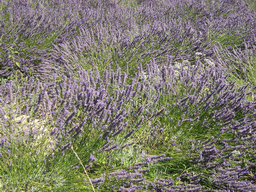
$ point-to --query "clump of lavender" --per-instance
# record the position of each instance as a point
(102, 123)
(86, 114)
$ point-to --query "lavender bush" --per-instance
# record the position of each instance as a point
(127, 95)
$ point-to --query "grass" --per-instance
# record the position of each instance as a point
(26, 168)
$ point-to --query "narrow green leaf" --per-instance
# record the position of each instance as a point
(18, 64)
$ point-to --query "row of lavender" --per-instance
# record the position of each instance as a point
(111, 108)
(51, 38)
(108, 113)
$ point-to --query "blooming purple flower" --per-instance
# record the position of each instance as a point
(92, 158)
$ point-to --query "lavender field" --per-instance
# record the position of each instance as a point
(127, 95)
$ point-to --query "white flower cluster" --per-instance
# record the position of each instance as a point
(207, 63)
(24, 125)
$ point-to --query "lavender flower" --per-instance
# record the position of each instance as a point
(92, 158)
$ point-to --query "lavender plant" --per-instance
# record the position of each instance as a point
(127, 96)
